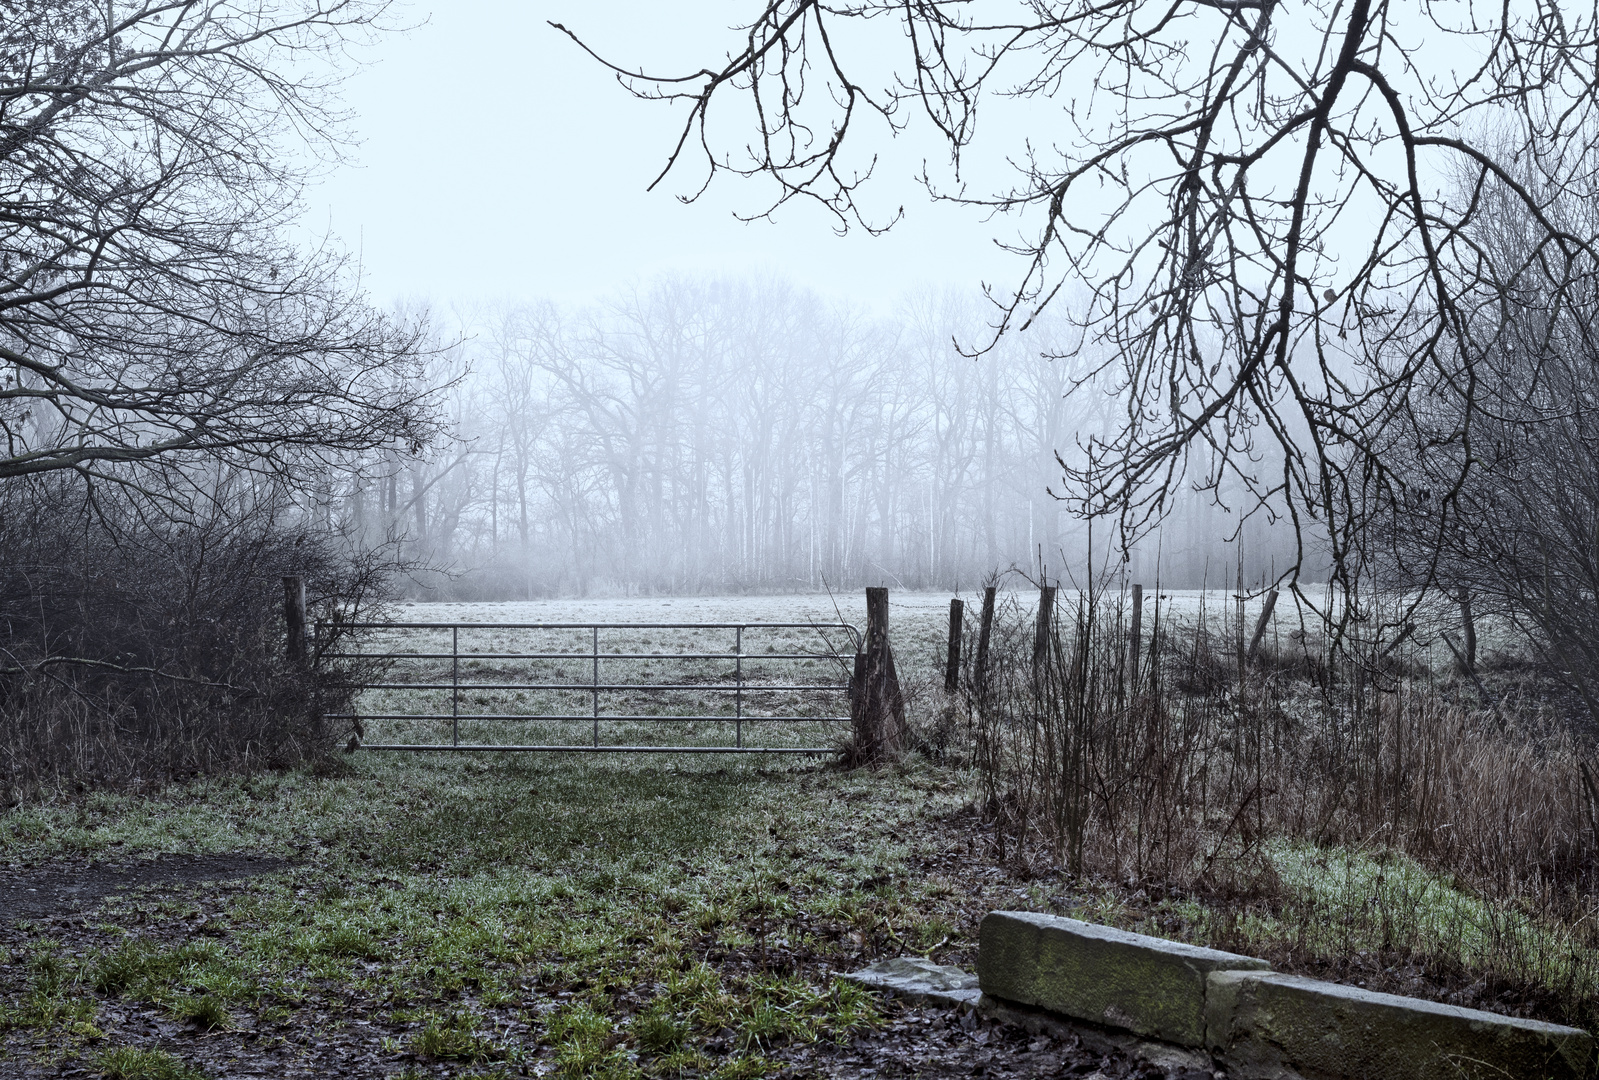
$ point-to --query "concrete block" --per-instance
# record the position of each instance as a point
(1267, 1025)
(914, 977)
(1146, 985)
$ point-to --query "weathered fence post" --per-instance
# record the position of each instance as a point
(952, 663)
(877, 708)
(1135, 635)
(294, 615)
(984, 630)
(1046, 612)
(1261, 624)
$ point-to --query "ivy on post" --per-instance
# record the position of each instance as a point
(877, 708)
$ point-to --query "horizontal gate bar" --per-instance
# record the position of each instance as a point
(579, 656)
(586, 626)
(502, 664)
(586, 717)
(610, 749)
(748, 688)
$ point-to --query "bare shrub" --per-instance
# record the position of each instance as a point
(134, 650)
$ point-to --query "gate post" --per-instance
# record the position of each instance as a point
(1261, 624)
(1135, 637)
(877, 708)
(294, 615)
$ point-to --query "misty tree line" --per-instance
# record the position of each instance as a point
(694, 434)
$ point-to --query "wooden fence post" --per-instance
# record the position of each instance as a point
(294, 615)
(984, 630)
(1046, 613)
(877, 708)
(1261, 624)
(1135, 634)
(952, 663)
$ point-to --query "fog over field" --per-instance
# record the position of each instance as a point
(697, 434)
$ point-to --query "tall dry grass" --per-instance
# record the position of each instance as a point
(1199, 772)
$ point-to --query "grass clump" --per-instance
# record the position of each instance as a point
(588, 1047)
(659, 1029)
(141, 969)
(51, 996)
(136, 1063)
(205, 1012)
(347, 941)
(453, 1037)
(850, 1009)
(131, 965)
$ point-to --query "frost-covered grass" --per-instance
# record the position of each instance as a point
(646, 916)
(535, 914)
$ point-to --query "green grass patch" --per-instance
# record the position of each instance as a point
(147, 970)
(586, 914)
(54, 995)
(134, 1063)
(456, 1036)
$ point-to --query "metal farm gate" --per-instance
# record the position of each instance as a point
(614, 684)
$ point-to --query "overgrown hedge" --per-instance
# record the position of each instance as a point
(137, 649)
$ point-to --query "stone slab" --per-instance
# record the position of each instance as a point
(1146, 985)
(1268, 1025)
(915, 977)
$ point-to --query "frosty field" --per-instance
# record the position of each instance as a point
(526, 673)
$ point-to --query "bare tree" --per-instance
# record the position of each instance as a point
(1244, 194)
(151, 309)
(1516, 537)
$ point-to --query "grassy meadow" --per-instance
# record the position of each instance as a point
(643, 916)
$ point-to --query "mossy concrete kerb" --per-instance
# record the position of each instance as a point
(1141, 984)
(1267, 1025)
(1257, 1023)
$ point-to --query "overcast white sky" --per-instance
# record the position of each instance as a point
(498, 161)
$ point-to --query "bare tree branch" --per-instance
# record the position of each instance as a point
(151, 309)
(1251, 206)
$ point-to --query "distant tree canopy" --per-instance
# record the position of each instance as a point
(699, 434)
(152, 310)
(1271, 211)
